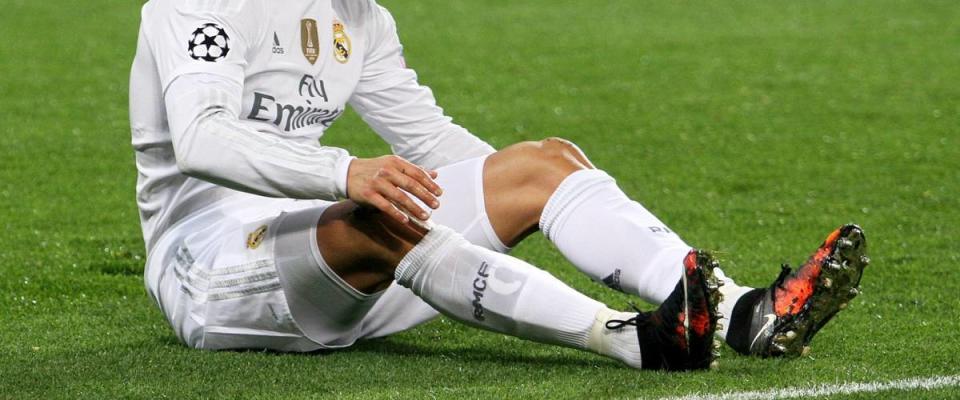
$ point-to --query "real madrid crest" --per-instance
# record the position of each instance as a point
(341, 43)
(309, 39)
(256, 237)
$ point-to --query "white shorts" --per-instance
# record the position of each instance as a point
(246, 273)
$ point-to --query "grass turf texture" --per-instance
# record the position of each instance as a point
(752, 128)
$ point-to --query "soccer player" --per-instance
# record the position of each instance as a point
(260, 237)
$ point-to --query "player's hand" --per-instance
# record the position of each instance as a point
(381, 182)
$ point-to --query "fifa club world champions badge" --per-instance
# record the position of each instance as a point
(309, 40)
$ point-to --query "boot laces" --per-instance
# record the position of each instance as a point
(638, 320)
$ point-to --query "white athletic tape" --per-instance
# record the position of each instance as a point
(935, 382)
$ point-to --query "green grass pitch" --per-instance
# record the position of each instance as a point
(751, 128)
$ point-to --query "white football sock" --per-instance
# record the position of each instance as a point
(503, 294)
(618, 242)
(621, 343)
(611, 238)
(731, 294)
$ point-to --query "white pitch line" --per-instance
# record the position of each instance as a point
(935, 382)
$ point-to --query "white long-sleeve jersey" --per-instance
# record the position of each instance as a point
(230, 96)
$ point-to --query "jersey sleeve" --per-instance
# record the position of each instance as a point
(210, 142)
(201, 48)
(403, 112)
(210, 37)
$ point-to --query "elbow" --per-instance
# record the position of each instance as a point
(191, 148)
(192, 167)
(192, 162)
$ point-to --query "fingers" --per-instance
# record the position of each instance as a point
(416, 181)
(386, 207)
(387, 184)
(420, 176)
(389, 188)
(415, 188)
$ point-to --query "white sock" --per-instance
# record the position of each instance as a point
(496, 292)
(621, 343)
(618, 242)
(731, 294)
(611, 238)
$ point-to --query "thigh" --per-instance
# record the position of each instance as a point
(241, 275)
(463, 206)
(218, 292)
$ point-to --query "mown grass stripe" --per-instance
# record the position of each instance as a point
(921, 383)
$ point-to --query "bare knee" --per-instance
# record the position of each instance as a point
(563, 154)
(539, 165)
(519, 180)
(555, 158)
(363, 246)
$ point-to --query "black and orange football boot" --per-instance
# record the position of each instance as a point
(781, 320)
(679, 335)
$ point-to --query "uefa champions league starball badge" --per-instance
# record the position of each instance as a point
(209, 43)
(341, 43)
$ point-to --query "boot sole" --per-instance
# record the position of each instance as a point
(837, 284)
(711, 286)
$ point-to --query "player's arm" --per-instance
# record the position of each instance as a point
(202, 97)
(403, 112)
(212, 143)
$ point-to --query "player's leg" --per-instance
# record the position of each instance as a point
(214, 276)
(552, 186)
(501, 199)
(462, 209)
(496, 292)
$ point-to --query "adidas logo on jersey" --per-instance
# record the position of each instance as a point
(277, 48)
